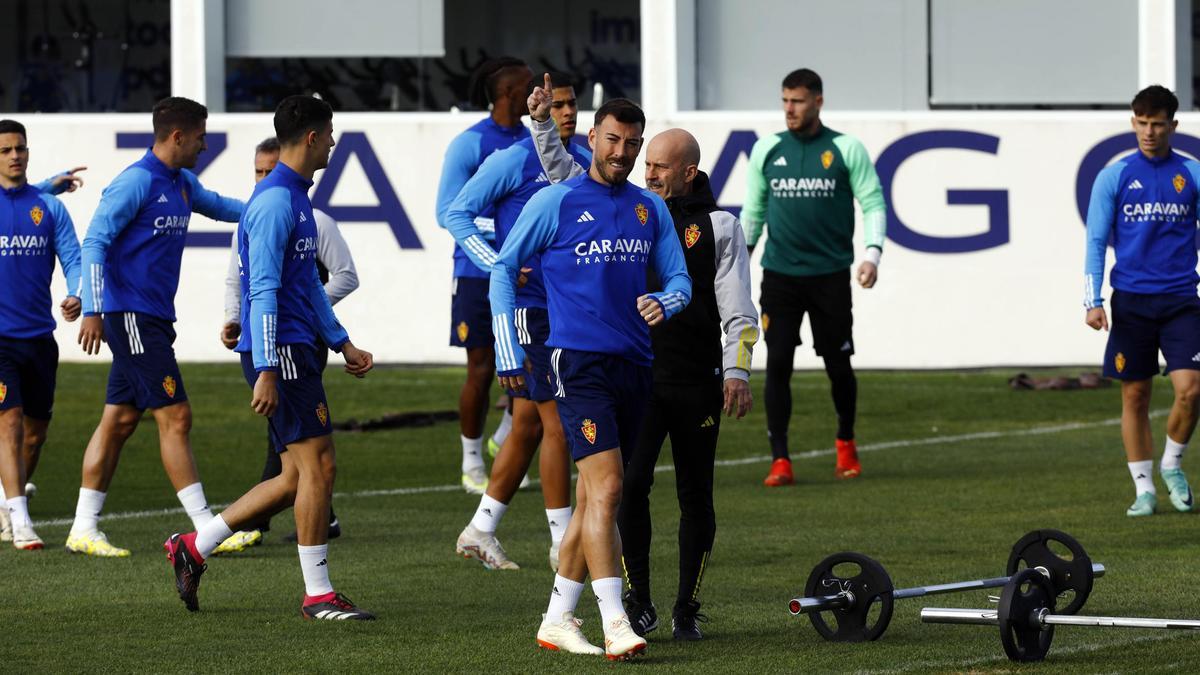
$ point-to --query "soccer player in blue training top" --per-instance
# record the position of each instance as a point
(502, 83)
(34, 228)
(131, 257)
(598, 238)
(285, 316)
(1147, 203)
(504, 183)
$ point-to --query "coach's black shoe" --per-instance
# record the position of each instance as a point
(642, 615)
(333, 607)
(335, 531)
(684, 620)
(188, 568)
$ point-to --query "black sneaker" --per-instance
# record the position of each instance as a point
(684, 620)
(335, 531)
(337, 608)
(642, 615)
(187, 570)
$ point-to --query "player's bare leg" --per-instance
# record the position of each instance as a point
(554, 467)
(559, 630)
(34, 439)
(1135, 434)
(472, 414)
(1180, 425)
(117, 424)
(15, 523)
(175, 445)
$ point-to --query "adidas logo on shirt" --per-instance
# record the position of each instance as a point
(303, 219)
(847, 346)
(1196, 358)
(1135, 185)
(782, 161)
(162, 199)
(585, 217)
(542, 178)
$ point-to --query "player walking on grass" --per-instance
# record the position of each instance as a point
(335, 266)
(504, 184)
(34, 228)
(285, 318)
(801, 184)
(504, 83)
(695, 379)
(1147, 204)
(131, 258)
(598, 238)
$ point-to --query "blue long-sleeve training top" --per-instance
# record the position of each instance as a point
(34, 228)
(1149, 208)
(283, 301)
(466, 152)
(597, 243)
(504, 183)
(134, 245)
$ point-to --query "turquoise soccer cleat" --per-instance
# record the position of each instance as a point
(1144, 505)
(1180, 491)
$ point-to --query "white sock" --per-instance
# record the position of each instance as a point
(503, 429)
(608, 597)
(314, 563)
(558, 520)
(18, 510)
(1172, 455)
(211, 534)
(192, 498)
(3, 497)
(488, 515)
(1143, 476)
(472, 453)
(87, 511)
(563, 598)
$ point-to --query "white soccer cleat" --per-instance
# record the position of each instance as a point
(554, 556)
(95, 544)
(25, 539)
(6, 533)
(483, 547)
(565, 636)
(475, 481)
(620, 642)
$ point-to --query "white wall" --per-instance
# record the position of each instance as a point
(1018, 303)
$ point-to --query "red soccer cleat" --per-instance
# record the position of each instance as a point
(847, 460)
(781, 473)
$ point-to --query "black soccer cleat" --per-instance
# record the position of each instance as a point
(684, 620)
(642, 615)
(337, 608)
(187, 571)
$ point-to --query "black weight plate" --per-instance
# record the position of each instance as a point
(1023, 597)
(870, 585)
(1072, 576)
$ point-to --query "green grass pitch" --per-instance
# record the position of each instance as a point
(939, 501)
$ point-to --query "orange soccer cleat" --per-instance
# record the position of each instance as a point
(780, 474)
(847, 460)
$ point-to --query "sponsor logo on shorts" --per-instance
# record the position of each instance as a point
(463, 330)
(322, 413)
(36, 214)
(1179, 182)
(641, 212)
(1119, 362)
(827, 158)
(589, 431)
(3, 392)
(691, 235)
(169, 386)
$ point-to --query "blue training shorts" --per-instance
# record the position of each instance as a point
(601, 400)
(303, 411)
(533, 329)
(28, 369)
(1145, 324)
(144, 372)
(470, 314)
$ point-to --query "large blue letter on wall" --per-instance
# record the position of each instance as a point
(389, 209)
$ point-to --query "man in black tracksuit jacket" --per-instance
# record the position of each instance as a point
(701, 369)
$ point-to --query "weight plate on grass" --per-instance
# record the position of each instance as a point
(871, 587)
(1072, 576)
(1025, 595)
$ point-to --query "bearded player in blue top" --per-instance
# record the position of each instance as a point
(131, 259)
(1147, 203)
(598, 237)
(285, 316)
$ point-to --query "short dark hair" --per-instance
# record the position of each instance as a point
(176, 112)
(626, 112)
(269, 146)
(297, 115)
(13, 127)
(486, 78)
(561, 79)
(803, 77)
(1153, 100)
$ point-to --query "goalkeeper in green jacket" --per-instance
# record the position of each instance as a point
(802, 185)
